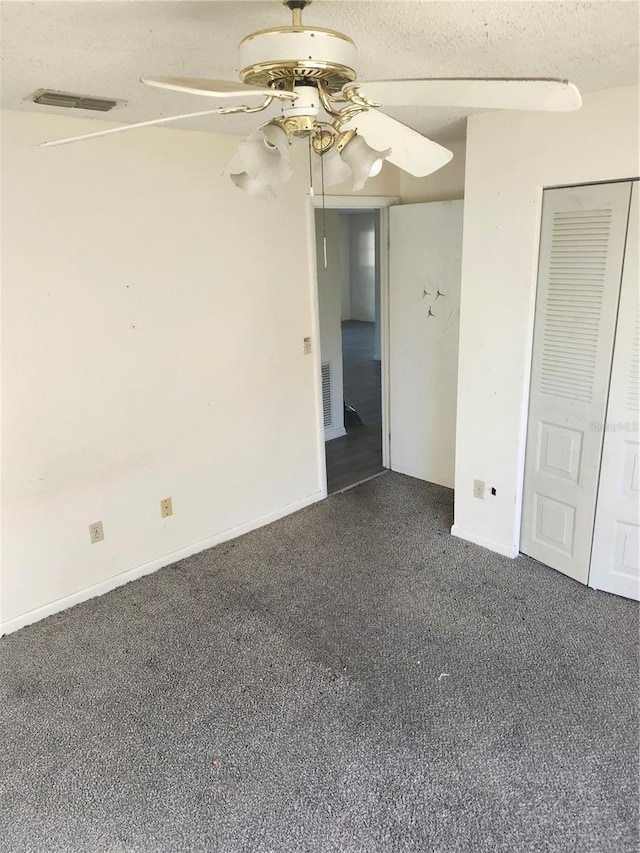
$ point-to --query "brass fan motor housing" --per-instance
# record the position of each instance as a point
(283, 56)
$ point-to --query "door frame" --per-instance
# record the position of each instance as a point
(351, 202)
(527, 387)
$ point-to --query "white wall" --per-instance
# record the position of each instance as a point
(362, 266)
(329, 309)
(444, 185)
(510, 158)
(152, 346)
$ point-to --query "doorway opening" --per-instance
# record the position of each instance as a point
(351, 343)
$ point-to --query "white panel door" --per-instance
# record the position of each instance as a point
(614, 558)
(425, 262)
(581, 253)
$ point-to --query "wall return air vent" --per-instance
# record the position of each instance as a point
(49, 98)
(326, 393)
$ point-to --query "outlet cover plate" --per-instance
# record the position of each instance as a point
(96, 532)
(166, 508)
(478, 488)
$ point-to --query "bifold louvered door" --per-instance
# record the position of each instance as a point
(615, 563)
(582, 245)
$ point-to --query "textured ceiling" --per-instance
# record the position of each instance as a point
(102, 47)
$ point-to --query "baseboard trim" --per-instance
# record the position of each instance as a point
(429, 479)
(129, 575)
(360, 482)
(491, 544)
(334, 432)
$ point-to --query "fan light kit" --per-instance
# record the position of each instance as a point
(310, 72)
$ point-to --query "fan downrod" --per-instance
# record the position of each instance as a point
(296, 7)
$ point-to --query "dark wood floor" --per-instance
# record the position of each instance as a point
(358, 455)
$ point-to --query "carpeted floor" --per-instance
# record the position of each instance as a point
(350, 678)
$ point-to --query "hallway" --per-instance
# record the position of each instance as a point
(358, 455)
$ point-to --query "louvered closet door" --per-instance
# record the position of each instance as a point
(581, 253)
(614, 558)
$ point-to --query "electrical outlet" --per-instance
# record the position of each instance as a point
(478, 488)
(96, 533)
(166, 507)
(307, 346)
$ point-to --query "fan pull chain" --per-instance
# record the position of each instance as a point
(310, 168)
(324, 221)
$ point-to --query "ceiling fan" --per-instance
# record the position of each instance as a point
(310, 72)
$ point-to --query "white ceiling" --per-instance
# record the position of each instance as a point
(102, 47)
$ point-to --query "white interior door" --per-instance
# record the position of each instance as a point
(614, 558)
(425, 262)
(581, 254)
(329, 313)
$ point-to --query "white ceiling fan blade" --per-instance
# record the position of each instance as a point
(215, 88)
(124, 127)
(410, 150)
(504, 94)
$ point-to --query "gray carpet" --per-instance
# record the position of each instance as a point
(287, 692)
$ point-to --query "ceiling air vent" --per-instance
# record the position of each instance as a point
(48, 98)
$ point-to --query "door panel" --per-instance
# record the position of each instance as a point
(581, 253)
(614, 560)
(425, 263)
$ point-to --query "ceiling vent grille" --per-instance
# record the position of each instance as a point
(49, 98)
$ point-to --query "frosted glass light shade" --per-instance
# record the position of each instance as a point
(252, 186)
(335, 169)
(264, 156)
(363, 160)
(276, 138)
